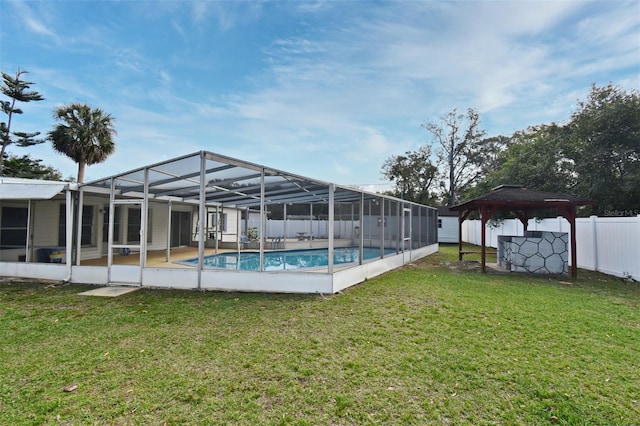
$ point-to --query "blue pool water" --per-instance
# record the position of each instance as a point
(281, 260)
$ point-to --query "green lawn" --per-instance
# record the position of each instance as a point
(433, 343)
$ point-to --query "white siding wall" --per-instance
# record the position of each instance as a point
(45, 220)
(230, 233)
(159, 219)
(449, 231)
(46, 224)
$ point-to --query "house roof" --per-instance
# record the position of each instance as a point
(516, 197)
(444, 211)
(227, 182)
(29, 189)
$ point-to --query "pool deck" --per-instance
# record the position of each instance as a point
(155, 258)
(158, 258)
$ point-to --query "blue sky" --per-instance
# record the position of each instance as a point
(325, 89)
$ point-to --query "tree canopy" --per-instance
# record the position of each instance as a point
(595, 154)
(17, 90)
(26, 167)
(604, 143)
(85, 135)
(414, 175)
(534, 158)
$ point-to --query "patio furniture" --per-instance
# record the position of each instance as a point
(275, 242)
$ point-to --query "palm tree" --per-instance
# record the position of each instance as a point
(85, 136)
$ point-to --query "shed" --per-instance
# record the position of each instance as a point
(447, 225)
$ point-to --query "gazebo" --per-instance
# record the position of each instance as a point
(521, 202)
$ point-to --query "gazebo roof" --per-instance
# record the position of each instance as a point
(516, 197)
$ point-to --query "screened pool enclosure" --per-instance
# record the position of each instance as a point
(197, 221)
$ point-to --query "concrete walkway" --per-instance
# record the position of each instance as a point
(109, 291)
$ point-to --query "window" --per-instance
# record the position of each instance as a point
(116, 224)
(13, 227)
(223, 222)
(439, 223)
(134, 224)
(219, 221)
(87, 238)
(180, 228)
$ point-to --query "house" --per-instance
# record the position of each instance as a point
(447, 225)
(143, 228)
(39, 208)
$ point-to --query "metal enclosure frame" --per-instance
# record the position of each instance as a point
(205, 181)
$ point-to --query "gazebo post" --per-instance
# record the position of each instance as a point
(485, 214)
(574, 246)
(569, 213)
(461, 218)
(524, 219)
(483, 233)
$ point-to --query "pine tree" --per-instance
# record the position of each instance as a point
(17, 90)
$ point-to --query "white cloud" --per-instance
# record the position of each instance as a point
(35, 24)
(227, 14)
(346, 86)
(312, 6)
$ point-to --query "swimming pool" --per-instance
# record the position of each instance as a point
(281, 260)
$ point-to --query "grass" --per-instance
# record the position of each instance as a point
(433, 343)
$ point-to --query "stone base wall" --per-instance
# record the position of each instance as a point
(538, 252)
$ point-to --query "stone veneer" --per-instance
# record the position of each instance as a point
(538, 252)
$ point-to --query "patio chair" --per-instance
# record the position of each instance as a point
(244, 241)
(275, 242)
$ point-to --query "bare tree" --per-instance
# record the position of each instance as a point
(459, 143)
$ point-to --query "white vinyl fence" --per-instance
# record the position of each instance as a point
(319, 228)
(314, 228)
(606, 244)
